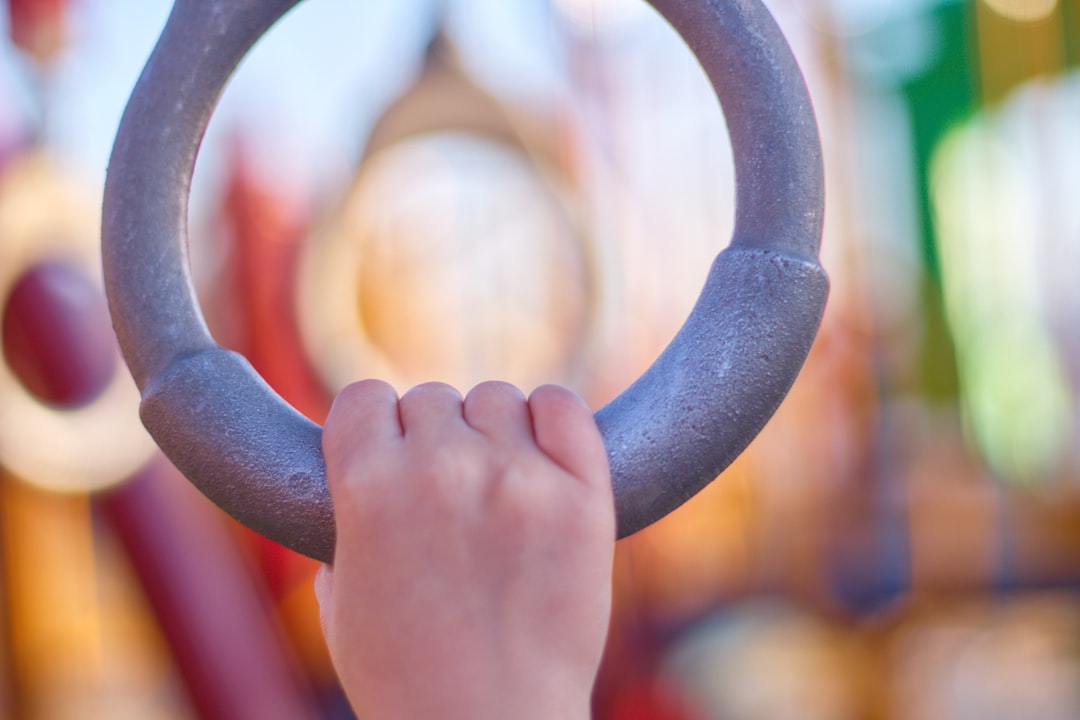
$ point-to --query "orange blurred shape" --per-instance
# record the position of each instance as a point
(52, 308)
(38, 27)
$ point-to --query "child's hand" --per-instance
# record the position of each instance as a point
(472, 575)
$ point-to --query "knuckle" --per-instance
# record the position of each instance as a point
(432, 388)
(496, 388)
(371, 386)
(491, 395)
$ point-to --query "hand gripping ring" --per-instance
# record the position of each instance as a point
(668, 435)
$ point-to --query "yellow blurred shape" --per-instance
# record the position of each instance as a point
(698, 554)
(769, 659)
(52, 594)
(1015, 388)
(452, 260)
(1012, 658)
(83, 645)
(1023, 10)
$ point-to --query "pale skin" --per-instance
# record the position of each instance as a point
(472, 573)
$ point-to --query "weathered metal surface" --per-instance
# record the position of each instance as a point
(668, 435)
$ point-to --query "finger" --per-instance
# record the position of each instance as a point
(429, 409)
(500, 411)
(566, 432)
(364, 416)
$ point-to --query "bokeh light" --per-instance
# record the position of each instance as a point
(1024, 10)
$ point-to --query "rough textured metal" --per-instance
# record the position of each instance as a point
(667, 436)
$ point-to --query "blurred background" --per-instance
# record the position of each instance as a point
(533, 191)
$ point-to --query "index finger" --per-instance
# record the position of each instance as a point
(363, 417)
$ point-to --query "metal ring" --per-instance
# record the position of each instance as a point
(667, 436)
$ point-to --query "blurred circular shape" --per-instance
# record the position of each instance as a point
(44, 218)
(53, 314)
(767, 659)
(1023, 10)
(451, 258)
(1015, 658)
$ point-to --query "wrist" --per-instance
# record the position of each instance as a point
(410, 701)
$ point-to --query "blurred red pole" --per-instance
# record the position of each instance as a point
(217, 622)
(267, 229)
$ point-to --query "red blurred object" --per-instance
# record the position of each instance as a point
(267, 230)
(218, 624)
(215, 617)
(52, 309)
(649, 698)
(630, 684)
(39, 27)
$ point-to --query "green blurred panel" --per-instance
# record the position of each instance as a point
(968, 56)
(938, 97)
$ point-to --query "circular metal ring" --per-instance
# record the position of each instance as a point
(77, 449)
(668, 435)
